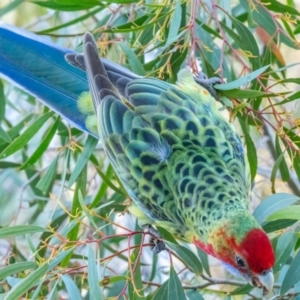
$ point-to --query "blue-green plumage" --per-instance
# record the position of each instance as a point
(179, 160)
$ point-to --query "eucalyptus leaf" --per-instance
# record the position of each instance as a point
(27, 283)
(272, 204)
(9, 232)
(241, 81)
(292, 276)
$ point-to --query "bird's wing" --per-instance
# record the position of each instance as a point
(157, 138)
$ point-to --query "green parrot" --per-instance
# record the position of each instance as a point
(180, 161)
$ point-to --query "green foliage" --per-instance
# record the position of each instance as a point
(61, 204)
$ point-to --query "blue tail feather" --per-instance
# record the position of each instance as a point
(39, 67)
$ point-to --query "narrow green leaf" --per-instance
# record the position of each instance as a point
(53, 295)
(284, 248)
(72, 22)
(273, 72)
(277, 225)
(291, 212)
(167, 235)
(46, 181)
(297, 246)
(243, 290)
(31, 246)
(288, 28)
(174, 23)
(27, 283)
(103, 188)
(175, 290)
(95, 291)
(296, 163)
(136, 25)
(135, 291)
(76, 210)
(280, 7)
(274, 171)
(120, 1)
(250, 120)
(16, 268)
(134, 62)
(292, 276)
(245, 94)
(53, 4)
(241, 81)
(23, 139)
(204, 260)
(14, 131)
(71, 287)
(297, 30)
(294, 155)
(43, 146)
(289, 99)
(284, 170)
(8, 164)
(273, 204)
(188, 257)
(85, 210)
(207, 28)
(37, 290)
(171, 289)
(251, 150)
(17, 230)
(120, 191)
(232, 34)
(162, 291)
(113, 279)
(247, 42)
(2, 101)
(4, 135)
(154, 266)
(194, 295)
(252, 155)
(287, 80)
(89, 147)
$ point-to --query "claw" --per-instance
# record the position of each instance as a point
(157, 244)
(208, 83)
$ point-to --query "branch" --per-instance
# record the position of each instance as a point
(213, 281)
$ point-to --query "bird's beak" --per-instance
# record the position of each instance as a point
(267, 280)
(264, 281)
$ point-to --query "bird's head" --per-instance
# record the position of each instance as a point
(244, 251)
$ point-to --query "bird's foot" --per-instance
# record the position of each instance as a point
(208, 83)
(157, 244)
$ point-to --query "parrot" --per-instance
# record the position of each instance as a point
(180, 161)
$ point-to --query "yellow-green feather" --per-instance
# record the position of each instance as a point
(85, 105)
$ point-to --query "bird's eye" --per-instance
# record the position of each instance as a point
(264, 273)
(240, 261)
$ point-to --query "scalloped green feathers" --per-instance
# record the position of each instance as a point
(180, 161)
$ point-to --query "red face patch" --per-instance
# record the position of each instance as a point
(256, 248)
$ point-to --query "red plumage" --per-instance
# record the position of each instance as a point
(261, 257)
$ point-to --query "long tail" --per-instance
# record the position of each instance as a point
(39, 67)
